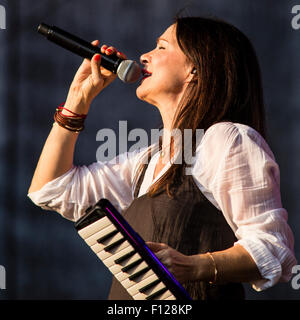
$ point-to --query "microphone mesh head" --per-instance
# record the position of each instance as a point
(129, 71)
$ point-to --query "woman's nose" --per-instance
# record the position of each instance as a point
(145, 58)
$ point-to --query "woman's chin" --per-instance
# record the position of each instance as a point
(145, 95)
(140, 93)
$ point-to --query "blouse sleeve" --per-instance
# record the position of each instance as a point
(239, 170)
(82, 186)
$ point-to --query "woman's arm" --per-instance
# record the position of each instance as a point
(230, 265)
(58, 152)
(56, 157)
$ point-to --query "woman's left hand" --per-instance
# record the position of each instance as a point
(184, 268)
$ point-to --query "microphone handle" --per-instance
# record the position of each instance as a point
(78, 46)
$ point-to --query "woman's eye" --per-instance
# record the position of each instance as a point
(161, 48)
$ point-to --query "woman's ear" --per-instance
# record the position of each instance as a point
(191, 75)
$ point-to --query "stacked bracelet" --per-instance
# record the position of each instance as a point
(74, 122)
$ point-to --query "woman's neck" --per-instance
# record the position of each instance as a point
(168, 108)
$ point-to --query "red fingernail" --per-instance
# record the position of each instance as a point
(98, 57)
(109, 50)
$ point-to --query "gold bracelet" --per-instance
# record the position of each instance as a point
(215, 268)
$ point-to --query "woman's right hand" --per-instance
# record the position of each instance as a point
(90, 80)
(57, 156)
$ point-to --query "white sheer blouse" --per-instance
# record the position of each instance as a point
(234, 168)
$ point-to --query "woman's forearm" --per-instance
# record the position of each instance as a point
(232, 265)
(56, 157)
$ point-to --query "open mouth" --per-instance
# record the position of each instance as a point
(146, 74)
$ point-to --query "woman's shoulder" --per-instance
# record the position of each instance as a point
(224, 137)
(228, 144)
(223, 134)
(230, 130)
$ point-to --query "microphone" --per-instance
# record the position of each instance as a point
(127, 70)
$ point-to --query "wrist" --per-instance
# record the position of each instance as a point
(203, 268)
(76, 103)
(68, 119)
(69, 113)
(78, 107)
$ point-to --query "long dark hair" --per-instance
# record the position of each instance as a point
(226, 86)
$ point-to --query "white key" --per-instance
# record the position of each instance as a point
(143, 296)
(122, 275)
(133, 290)
(111, 260)
(129, 283)
(139, 296)
(94, 227)
(116, 268)
(165, 296)
(171, 297)
(93, 238)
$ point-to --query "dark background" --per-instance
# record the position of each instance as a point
(42, 253)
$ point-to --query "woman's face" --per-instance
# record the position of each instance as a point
(166, 70)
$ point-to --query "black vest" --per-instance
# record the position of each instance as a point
(189, 223)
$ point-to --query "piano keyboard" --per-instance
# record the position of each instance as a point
(126, 255)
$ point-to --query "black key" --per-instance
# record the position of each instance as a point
(114, 244)
(132, 265)
(156, 294)
(107, 236)
(125, 257)
(149, 286)
(139, 273)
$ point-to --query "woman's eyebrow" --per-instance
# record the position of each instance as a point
(161, 39)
